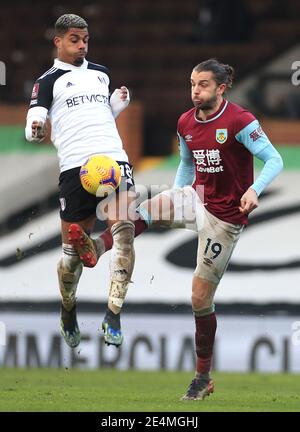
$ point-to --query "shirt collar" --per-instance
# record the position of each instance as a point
(215, 115)
(67, 66)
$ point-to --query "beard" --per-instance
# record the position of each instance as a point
(78, 61)
(207, 105)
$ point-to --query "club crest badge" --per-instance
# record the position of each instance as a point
(35, 91)
(221, 135)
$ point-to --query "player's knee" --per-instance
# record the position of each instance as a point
(70, 260)
(122, 256)
(123, 234)
(200, 300)
(202, 294)
(160, 208)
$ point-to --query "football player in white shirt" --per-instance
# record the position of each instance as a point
(74, 95)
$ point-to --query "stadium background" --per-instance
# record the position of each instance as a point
(151, 47)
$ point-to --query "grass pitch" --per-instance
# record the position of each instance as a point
(110, 390)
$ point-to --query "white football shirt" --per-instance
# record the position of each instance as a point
(76, 101)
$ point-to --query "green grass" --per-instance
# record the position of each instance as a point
(12, 140)
(110, 390)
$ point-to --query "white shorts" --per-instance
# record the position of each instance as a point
(216, 238)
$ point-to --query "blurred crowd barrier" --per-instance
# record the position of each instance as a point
(283, 132)
(130, 124)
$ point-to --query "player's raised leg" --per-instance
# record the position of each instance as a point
(157, 211)
(121, 265)
(88, 249)
(69, 270)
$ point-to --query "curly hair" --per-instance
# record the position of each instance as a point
(67, 21)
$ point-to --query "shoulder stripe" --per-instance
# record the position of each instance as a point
(99, 68)
(50, 71)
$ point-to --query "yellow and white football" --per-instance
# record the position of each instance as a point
(100, 175)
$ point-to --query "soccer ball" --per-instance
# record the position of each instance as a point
(100, 175)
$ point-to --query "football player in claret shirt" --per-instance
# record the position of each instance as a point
(213, 194)
(75, 95)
